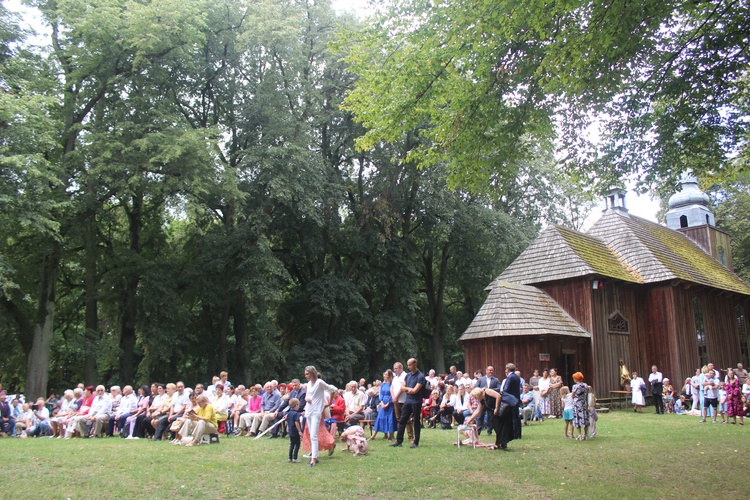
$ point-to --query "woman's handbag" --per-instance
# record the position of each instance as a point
(507, 402)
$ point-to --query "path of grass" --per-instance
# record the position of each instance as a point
(633, 456)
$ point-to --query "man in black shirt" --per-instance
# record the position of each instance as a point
(414, 382)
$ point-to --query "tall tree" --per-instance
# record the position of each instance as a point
(732, 206)
(663, 80)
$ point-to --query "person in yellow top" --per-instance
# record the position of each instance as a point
(200, 421)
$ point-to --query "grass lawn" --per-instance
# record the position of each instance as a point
(633, 456)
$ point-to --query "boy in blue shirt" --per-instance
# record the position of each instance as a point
(294, 428)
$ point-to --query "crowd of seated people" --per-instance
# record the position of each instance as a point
(173, 411)
(183, 415)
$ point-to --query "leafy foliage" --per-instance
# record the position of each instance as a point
(732, 208)
(185, 189)
(486, 82)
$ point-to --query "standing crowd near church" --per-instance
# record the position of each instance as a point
(711, 393)
(397, 407)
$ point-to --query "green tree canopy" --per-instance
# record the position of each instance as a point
(488, 81)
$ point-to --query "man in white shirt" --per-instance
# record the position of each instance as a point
(99, 413)
(399, 396)
(177, 410)
(128, 406)
(656, 380)
(710, 394)
(41, 425)
(355, 403)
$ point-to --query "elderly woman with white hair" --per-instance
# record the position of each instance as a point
(67, 409)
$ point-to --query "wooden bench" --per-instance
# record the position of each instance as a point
(369, 424)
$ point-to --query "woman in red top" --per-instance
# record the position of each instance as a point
(79, 418)
(338, 407)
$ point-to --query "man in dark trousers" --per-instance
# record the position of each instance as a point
(512, 385)
(656, 379)
(413, 384)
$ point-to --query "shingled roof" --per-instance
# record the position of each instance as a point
(560, 253)
(658, 253)
(513, 309)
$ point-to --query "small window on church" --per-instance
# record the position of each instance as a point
(722, 256)
(683, 221)
(742, 331)
(700, 333)
(708, 220)
(617, 324)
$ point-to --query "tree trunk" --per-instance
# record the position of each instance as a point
(129, 301)
(239, 313)
(435, 291)
(92, 337)
(223, 332)
(208, 327)
(38, 361)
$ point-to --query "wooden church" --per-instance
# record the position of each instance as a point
(626, 289)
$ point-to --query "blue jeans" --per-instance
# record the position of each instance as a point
(8, 427)
(39, 429)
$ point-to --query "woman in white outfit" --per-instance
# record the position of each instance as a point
(636, 388)
(316, 401)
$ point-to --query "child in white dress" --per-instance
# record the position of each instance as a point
(593, 417)
(723, 403)
(567, 401)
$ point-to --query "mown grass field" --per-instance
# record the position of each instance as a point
(633, 456)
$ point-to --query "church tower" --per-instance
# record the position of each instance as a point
(690, 214)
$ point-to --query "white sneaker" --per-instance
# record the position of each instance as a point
(130, 437)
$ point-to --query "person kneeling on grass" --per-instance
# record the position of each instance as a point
(202, 420)
(354, 436)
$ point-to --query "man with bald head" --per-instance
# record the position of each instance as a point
(128, 406)
(412, 408)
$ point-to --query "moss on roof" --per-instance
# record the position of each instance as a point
(691, 263)
(602, 259)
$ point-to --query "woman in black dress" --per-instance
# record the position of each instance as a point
(489, 400)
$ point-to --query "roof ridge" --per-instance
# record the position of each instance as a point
(658, 253)
(515, 309)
